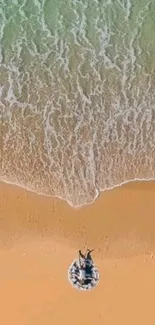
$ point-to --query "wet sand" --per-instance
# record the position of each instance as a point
(39, 238)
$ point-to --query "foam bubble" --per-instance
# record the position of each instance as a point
(77, 101)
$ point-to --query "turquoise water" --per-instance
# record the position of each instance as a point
(77, 95)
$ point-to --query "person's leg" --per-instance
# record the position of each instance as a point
(81, 259)
(89, 254)
(81, 255)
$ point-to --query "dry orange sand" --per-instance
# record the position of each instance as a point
(39, 238)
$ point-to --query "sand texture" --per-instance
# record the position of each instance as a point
(39, 238)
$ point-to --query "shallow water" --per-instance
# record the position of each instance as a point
(77, 91)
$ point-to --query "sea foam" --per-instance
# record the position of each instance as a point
(77, 99)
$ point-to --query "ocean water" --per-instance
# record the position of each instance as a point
(77, 95)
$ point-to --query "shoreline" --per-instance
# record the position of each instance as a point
(119, 220)
(100, 192)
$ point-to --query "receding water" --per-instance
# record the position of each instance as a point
(77, 95)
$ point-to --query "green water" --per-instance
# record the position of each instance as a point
(77, 95)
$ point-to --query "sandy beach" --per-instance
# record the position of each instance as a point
(39, 238)
(77, 115)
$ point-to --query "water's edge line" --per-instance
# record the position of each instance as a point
(85, 204)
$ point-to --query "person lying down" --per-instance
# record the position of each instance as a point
(83, 273)
(85, 268)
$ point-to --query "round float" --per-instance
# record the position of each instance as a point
(91, 279)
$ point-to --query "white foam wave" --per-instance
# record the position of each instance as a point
(77, 102)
